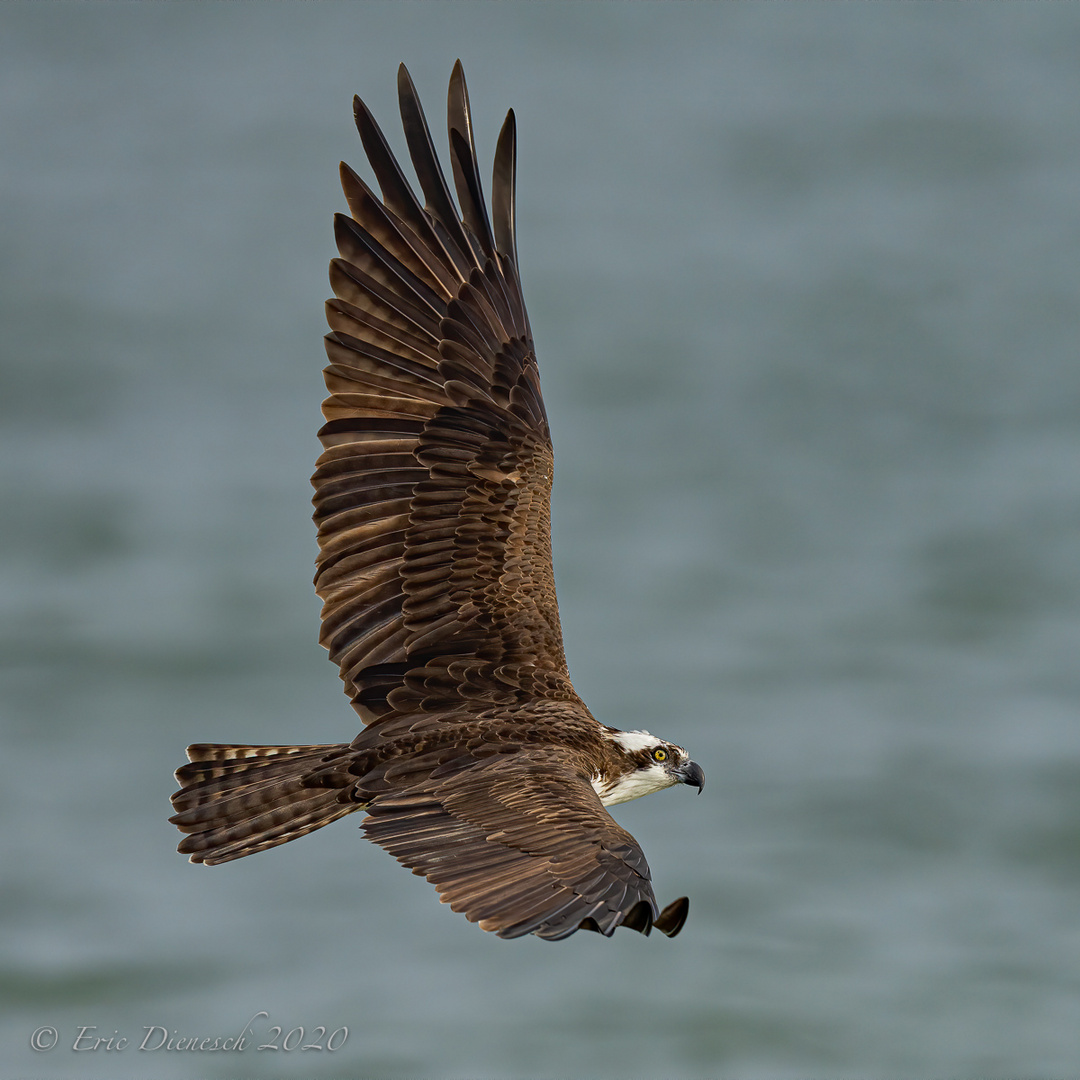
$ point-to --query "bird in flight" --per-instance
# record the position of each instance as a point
(478, 766)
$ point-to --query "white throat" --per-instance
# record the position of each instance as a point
(633, 785)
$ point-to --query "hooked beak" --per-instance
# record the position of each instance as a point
(691, 773)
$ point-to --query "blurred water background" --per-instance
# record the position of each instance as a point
(804, 282)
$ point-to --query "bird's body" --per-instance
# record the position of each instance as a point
(478, 767)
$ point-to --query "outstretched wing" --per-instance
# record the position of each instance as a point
(432, 495)
(521, 846)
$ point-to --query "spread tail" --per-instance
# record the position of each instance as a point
(236, 800)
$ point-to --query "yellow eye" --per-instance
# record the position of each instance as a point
(659, 754)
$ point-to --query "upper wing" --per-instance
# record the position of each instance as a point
(432, 495)
(520, 846)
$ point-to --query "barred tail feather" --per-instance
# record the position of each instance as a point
(236, 800)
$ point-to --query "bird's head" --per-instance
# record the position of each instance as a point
(640, 764)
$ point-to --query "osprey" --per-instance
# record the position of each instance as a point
(478, 766)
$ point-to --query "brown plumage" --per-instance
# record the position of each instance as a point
(479, 767)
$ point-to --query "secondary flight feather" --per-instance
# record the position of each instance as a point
(478, 766)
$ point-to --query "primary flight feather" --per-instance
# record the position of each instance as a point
(478, 766)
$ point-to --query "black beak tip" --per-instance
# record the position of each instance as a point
(694, 775)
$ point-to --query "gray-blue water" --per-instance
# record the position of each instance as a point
(804, 282)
